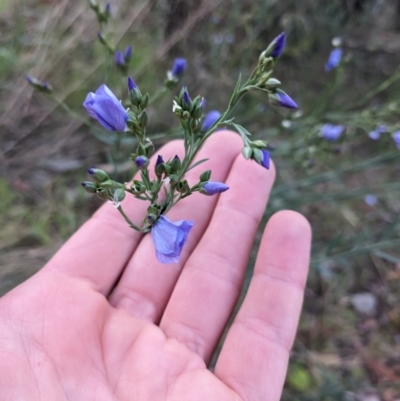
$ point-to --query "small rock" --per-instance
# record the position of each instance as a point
(365, 303)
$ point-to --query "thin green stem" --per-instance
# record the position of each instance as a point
(128, 220)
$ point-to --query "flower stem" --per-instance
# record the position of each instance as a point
(128, 220)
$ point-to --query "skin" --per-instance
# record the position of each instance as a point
(103, 320)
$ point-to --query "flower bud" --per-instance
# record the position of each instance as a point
(276, 47)
(211, 188)
(149, 147)
(259, 144)
(145, 101)
(179, 67)
(128, 54)
(247, 152)
(94, 5)
(175, 164)
(143, 119)
(159, 168)
(205, 176)
(89, 187)
(98, 175)
(141, 162)
(39, 85)
(119, 195)
(182, 187)
(280, 98)
(272, 83)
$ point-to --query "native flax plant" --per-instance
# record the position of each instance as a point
(170, 237)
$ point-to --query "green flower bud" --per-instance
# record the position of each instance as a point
(135, 96)
(119, 195)
(98, 175)
(205, 176)
(175, 164)
(272, 83)
(143, 119)
(149, 147)
(183, 187)
(247, 152)
(257, 155)
(259, 144)
(89, 187)
(145, 101)
(102, 193)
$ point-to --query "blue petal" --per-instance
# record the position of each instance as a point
(212, 187)
(210, 119)
(169, 238)
(334, 59)
(88, 104)
(265, 161)
(286, 101)
(110, 113)
(164, 234)
(279, 46)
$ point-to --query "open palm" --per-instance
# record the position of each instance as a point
(103, 320)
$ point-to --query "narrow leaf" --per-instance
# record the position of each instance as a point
(196, 164)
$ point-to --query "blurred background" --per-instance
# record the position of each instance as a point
(348, 342)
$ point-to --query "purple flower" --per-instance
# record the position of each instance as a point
(186, 97)
(376, 134)
(128, 53)
(210, 119)
(278, 45)
(331, 132)
(334, 59)
(119, 58)
(371, 199)
(265, 158)
(159, 160)
(169, 238)
(108, 8)
(211, 188)
(131, 84)
(396, 138)
(141, 161)
(281, 98)
(179, 67)
(106, 108)
(39, 85)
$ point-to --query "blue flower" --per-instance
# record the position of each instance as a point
(371, 199)
(179, 67)
(106, 108)
(331, 132)
(186, 97)
(169, 238)
(131, 84)
(281, 98)
(141, 162)
(278, 45)
(119, 58)
(211, 188)
(334, 59)
(376, 134)
(396, 138)
(210, 119)
(128, 53)
(265, 159)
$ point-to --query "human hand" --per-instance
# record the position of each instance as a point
(103, 320)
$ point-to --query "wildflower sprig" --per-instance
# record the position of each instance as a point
(170, 185)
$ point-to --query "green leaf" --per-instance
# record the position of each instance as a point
(237, 87)
(196, 164)
(242, 131)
